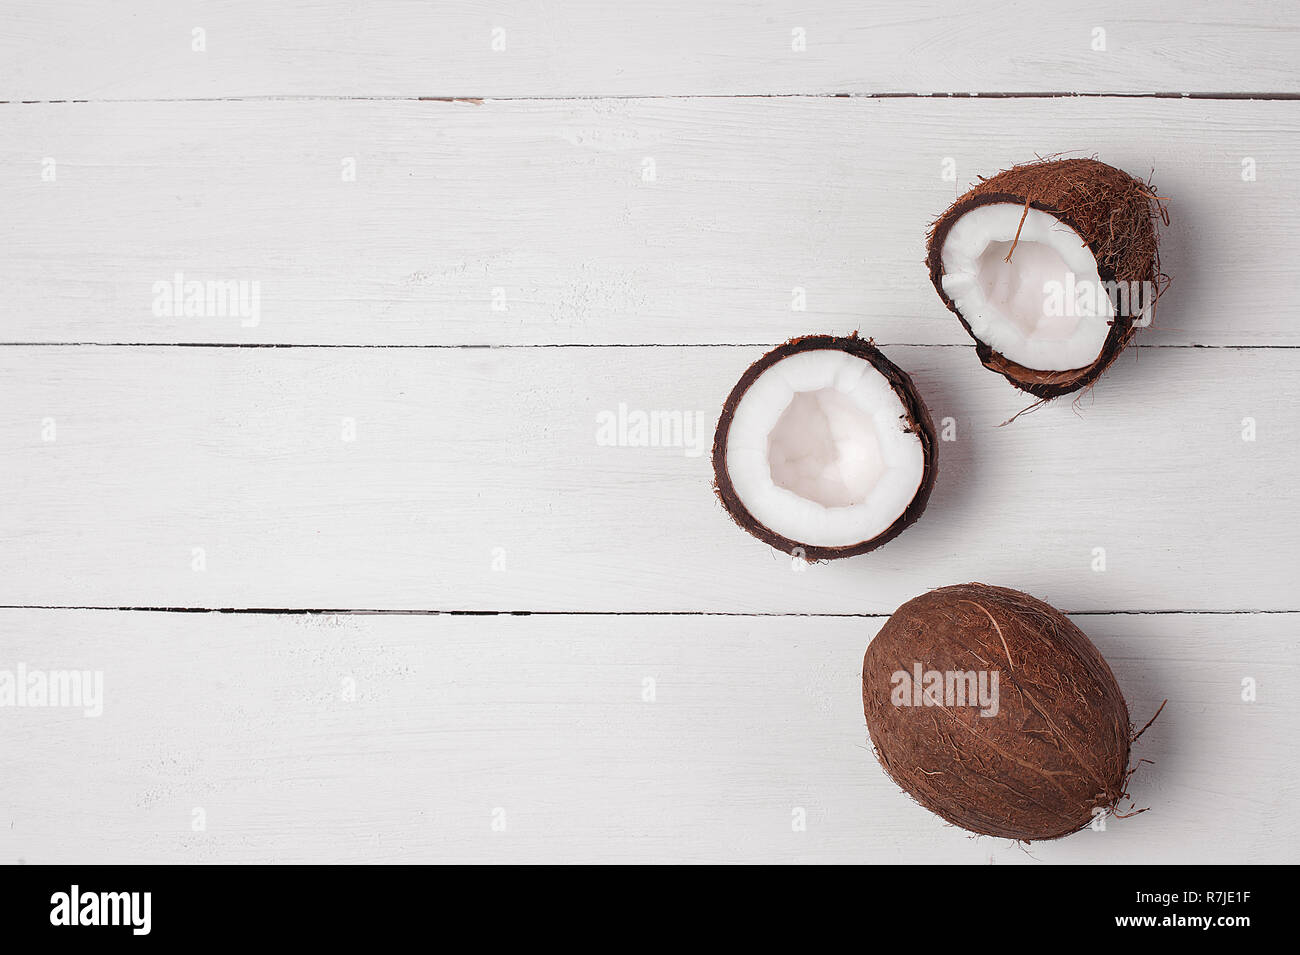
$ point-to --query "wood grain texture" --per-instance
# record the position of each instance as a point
(714, 183)
(544, 205)
(530, 222)
(144, 49)
(244, 717)
(479, 479)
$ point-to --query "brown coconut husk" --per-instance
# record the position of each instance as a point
(1056, 752)
(917, 421)
(1115, 215)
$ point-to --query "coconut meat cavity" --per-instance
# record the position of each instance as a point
(819, 450)
(1046, 308)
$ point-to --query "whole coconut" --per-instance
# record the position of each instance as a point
(1039, 743)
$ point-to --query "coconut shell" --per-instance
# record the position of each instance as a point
(1055, 752)
(918, 422)
(1115, 215)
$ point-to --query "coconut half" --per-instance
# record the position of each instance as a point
(824, 449)
(1050, 267)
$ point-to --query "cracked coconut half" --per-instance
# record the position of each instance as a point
(1050, 266)
(824, 449)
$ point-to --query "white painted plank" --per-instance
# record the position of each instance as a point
(544, 205)
(544, 718)
(476, 482)
(146, 48)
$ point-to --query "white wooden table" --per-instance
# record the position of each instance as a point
(363, 584)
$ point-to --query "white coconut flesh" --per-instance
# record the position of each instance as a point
(1046, 309)
(817, 450)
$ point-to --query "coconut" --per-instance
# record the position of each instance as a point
(824, 449)
(1035, 746)
(1050, 266)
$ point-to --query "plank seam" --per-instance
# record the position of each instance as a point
(339, 612)
(447, 347)
(1264, 95)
